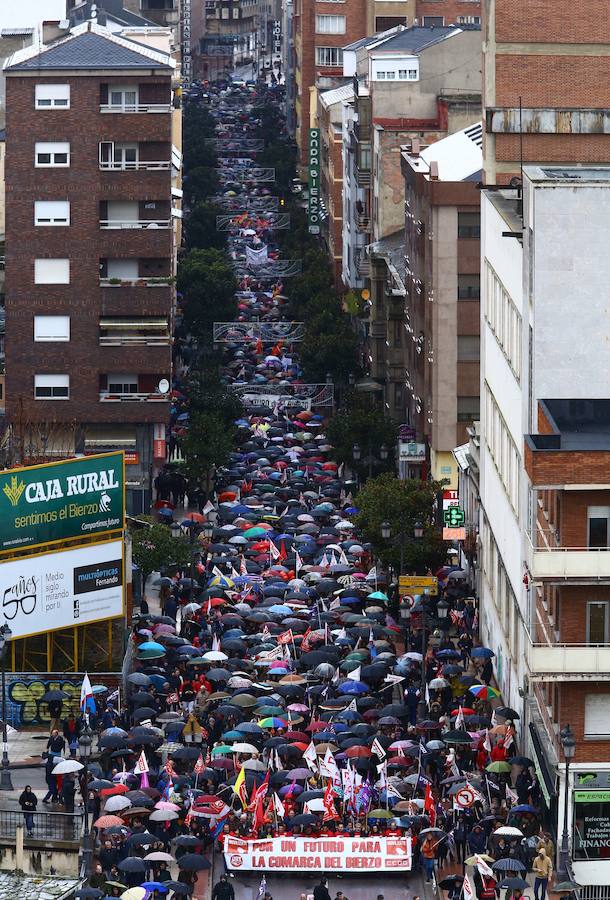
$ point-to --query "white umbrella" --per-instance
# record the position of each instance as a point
(244, 748)
(134, 893)
(316, 805)
(115, 804)
(159, 856)
(67, 766)
(215, 656)
(508, 831)
(254, 765)
(163, 815)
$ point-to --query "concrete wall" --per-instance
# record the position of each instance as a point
(36, 859)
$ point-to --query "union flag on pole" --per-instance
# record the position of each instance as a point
(330, 812)
(286, 637)
(199, 765)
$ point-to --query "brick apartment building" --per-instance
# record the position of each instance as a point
(448, 12)
(553, 62)
(90, 250)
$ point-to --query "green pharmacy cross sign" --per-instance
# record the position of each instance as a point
(454, 517)
(61, 501)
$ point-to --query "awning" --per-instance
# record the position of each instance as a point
(545, 779)
(110, 437)
(140, 324)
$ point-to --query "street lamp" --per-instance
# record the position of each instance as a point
(6, 783)
(568, 745)
(369, 458)
(85, 743)
(442, 611)
(401, 537)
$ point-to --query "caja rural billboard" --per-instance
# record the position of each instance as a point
(58, 501)
(63, 588)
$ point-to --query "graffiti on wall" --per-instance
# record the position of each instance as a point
(24, 693)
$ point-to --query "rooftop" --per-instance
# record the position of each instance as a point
(337, 95)
(458, 157)
(108, 9)
(509, 206)
(88, 47)
(578, 425)
(414, 40)
(568, 174)
(28, 887)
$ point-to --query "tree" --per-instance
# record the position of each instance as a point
(154, 547)
(207, 394)
(201, 231)
(207, 284)
(208, 444)
(329, 347)
(362, 424)
(200, 183)
(402, 504)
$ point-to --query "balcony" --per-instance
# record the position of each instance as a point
(135, 282)
(142, 165)
(145, 331)
(121, 388)
(131, 108)
(363, 223)
(363, 177)
(568, 662)
(584, 564)
(137, 396)
(136, 224)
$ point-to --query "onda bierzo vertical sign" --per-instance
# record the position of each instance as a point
(58, 501)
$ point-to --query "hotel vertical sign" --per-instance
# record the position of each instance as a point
(313, 209)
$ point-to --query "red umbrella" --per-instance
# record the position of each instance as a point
(222, 763)
(317, 726)
(112, 791)
(107, 822)
(296, 736)
(358, 753)
(195, 517)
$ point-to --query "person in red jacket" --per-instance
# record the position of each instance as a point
(498, 753)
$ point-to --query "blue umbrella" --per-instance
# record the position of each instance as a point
(151, 645)
(158, 681)
(448, 654)
(353, 687)
(154, 886)
(166, 513)
(480, 653)
(523, 808)
(279, 609)
(249, 728)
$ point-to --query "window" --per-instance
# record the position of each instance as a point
(52, 155)
(123, 384)
(329, 56)
(597, 622)
(125, 269)
(224, 12)
(50, 96)
(236, 12)
(469, 20)
(598, 518)
(384, 23)
(468, 348)
(437, 21)
(51, 212)
(123, 97)
(51, 271)
(469, 225)
(502, 448)
(503, 318)
(330, 24)
(467, 409)
(51, 387)
(391, 73)
(407, 74)
(51, 328)
(469, 287)
(597, 718)
(381, 76)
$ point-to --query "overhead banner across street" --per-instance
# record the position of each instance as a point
(59, 501)
(62, 589)
(324, 854)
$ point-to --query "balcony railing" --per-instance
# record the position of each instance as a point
(363, 177)
(563, 563)
(135, 108)
(135, 282)
(363, 223)
(47, 826)
(143, 340)
(137, 224)
(568, 661)
(139, 397)
(142, 165)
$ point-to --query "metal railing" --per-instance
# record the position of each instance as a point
(139, 165)
(137, 224)
(135, 282)
(147, 340)
(107, 397)
(46, 826)
(135, 108)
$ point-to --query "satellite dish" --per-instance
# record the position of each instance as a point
(163, 386)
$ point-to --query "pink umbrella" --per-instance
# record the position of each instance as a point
(298, 707)
(165, 804)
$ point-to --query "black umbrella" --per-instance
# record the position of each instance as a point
(132, 864)
(506, 712)
(450, 882)
(139, 678)
(514, 884)
(187, 840)
(89, 893)
(178, 887)
(52, 696)
(194, 862)
(508, 864)
(304, 819)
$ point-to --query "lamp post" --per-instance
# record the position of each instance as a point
(6, 783)
(85, 743)
(205, 536)
(442, 611)
(370, 459)
(401, 537)
(568, 745)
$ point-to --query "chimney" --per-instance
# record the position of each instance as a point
(415, 146)
(434, 170)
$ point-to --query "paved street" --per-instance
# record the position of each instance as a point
(367, 887)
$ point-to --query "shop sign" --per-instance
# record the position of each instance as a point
(411, 452)
(313, 180)
(63, 588)
(413, 584)
(57, 501)
(454, 534)
(324, 854)
(591, 825)
(277, 36)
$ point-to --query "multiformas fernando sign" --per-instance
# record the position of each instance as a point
(59, 501)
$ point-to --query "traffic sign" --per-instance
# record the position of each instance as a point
(416, 584)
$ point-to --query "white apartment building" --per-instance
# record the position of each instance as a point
(544, 524)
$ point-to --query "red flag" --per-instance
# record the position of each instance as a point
(429, 806)
(286, 637)
(258, 793)
(305, 644)
(259, 347)
(283, 554)
(330, 812)
(169, 768)
(199, 765)
(252, 802)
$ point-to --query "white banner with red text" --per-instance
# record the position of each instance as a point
(319, 854)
